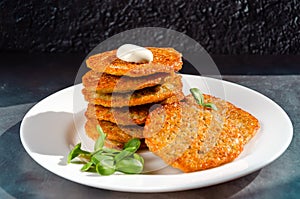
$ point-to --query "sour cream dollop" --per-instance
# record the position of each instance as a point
(134, 53)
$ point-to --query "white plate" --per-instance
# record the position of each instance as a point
(48, 131)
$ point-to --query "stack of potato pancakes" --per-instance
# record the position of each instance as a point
(121, 93)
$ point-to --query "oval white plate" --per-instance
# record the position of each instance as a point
(48, 132)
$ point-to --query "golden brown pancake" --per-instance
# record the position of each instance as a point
(115, 136)
(140, 97)
(105, 83)
(165, 60)
(192, 138)
(122, 116)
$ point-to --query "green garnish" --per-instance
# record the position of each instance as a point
(106, 161)
(100, 141)
(200, 99)
(76, 152)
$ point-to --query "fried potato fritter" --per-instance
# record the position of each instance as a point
(192, 138)
(105, 83)
(140, 97)
(123, 116)
(116, 136)
(114, 132)
(165, 60)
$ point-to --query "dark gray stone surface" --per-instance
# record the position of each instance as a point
(221, 27)
(21, 177)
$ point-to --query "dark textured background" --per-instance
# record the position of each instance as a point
(222, 27)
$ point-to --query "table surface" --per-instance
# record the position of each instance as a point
(23, 85)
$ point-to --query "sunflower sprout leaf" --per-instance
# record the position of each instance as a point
(210, 105)
(76, 152)
(197, 95)
(101, 139)
(87, 166)
(129, 166)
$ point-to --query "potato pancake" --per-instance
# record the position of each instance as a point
(140, 97)
(123, 116)
(116, 136)
(192, 138)
(165, 60)
(105, 83)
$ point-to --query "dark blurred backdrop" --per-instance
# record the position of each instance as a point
(243, 37)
